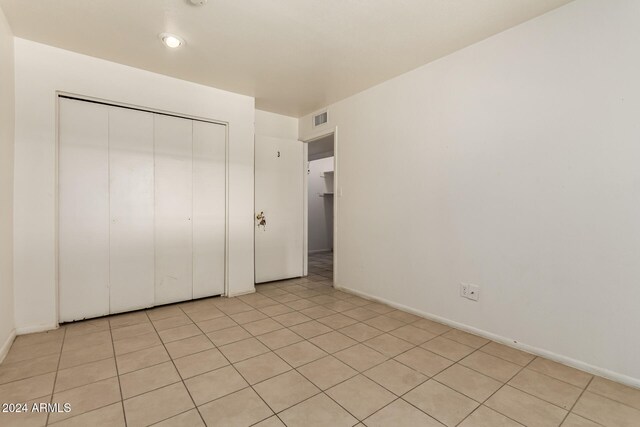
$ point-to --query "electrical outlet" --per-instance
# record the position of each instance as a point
(464, 290)
(474, 292)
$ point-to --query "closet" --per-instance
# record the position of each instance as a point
(141, 209)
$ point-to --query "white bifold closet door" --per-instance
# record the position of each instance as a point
(141, 209)
(132, 212)
(83, 198)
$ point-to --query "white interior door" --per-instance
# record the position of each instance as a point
(132, 209)
(173, 209)
(279, 168)
(83, 251)
(209, 188)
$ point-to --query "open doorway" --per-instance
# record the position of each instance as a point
(320, 186)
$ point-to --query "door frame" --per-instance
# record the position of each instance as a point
(305, 199)
(63, 94)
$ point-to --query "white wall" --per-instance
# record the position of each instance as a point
(320, 206)
(276, 125)
(512, 164)
(41, 71)
(6, 186)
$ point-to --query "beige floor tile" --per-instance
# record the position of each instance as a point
(615, 391)
(310, 329)
(388, 345)
(333, 341)
(360, 396)
(242, 350)
(164, 312)
(87, 340)
(139, 342)
(86, 327)
(190, 418)
(86, 398)
(317, 312)
(524, 408)
(357, 301)
(360, 332)
(546, 388)
(275, 310)
(561, 372)
(384, 323)
(280, 338)
(199, 363)
(229, 335)
(285, 390)
(360, 357)
(574, 420)
(415, 336)
(319, 411)
(240, 409)
(247, 317)
(128, 319)
(447, 348)
(157, 405)
(261, 327)
(27, 389)
(395, 376)
(300, 353)
(468, 382)
(54, 336)
(85, 374)
(286, 298)
(485, 417)
(291, 319)
(323, 299)
(380, 308)
(424, 361)
(492, 366)
(606, 411)
(360, 314)
(108, 416)
(337, 321)
(431, 326)
(400, 414)
(300, 303)
(131, 331)
(144, 358)
(179, 333)
(340, 306)
(440, 402)
(216, 324)
(215, 384)
(508, 353)
(188, 346)
(262, 367)
(403, 316)
(327, 372)
(147, 379)
(272, 421)
(465, 338)
(207, 314)
(26, 419)
(171, 322)
(81, 356)
(28, 368)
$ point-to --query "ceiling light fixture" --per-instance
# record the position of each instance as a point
(171, 40)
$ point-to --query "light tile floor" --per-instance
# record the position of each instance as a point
(296, 353)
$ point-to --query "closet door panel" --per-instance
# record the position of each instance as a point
(208, 208)
(83, 203)
(173, 209)
(131, 209)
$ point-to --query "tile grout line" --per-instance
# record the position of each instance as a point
(115, 362)
(55, 379)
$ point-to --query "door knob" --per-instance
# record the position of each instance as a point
(262, 220)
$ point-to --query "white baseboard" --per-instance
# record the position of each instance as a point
(6, 345)
(606, 373)
(34, 329)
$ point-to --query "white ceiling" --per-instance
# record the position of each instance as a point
(294, 56)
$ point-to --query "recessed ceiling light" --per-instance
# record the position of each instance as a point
(171, 40)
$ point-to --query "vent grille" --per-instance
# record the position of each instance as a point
(320, 119)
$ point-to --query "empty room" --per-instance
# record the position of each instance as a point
(320, 213)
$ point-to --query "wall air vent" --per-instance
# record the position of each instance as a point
(320, 119)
